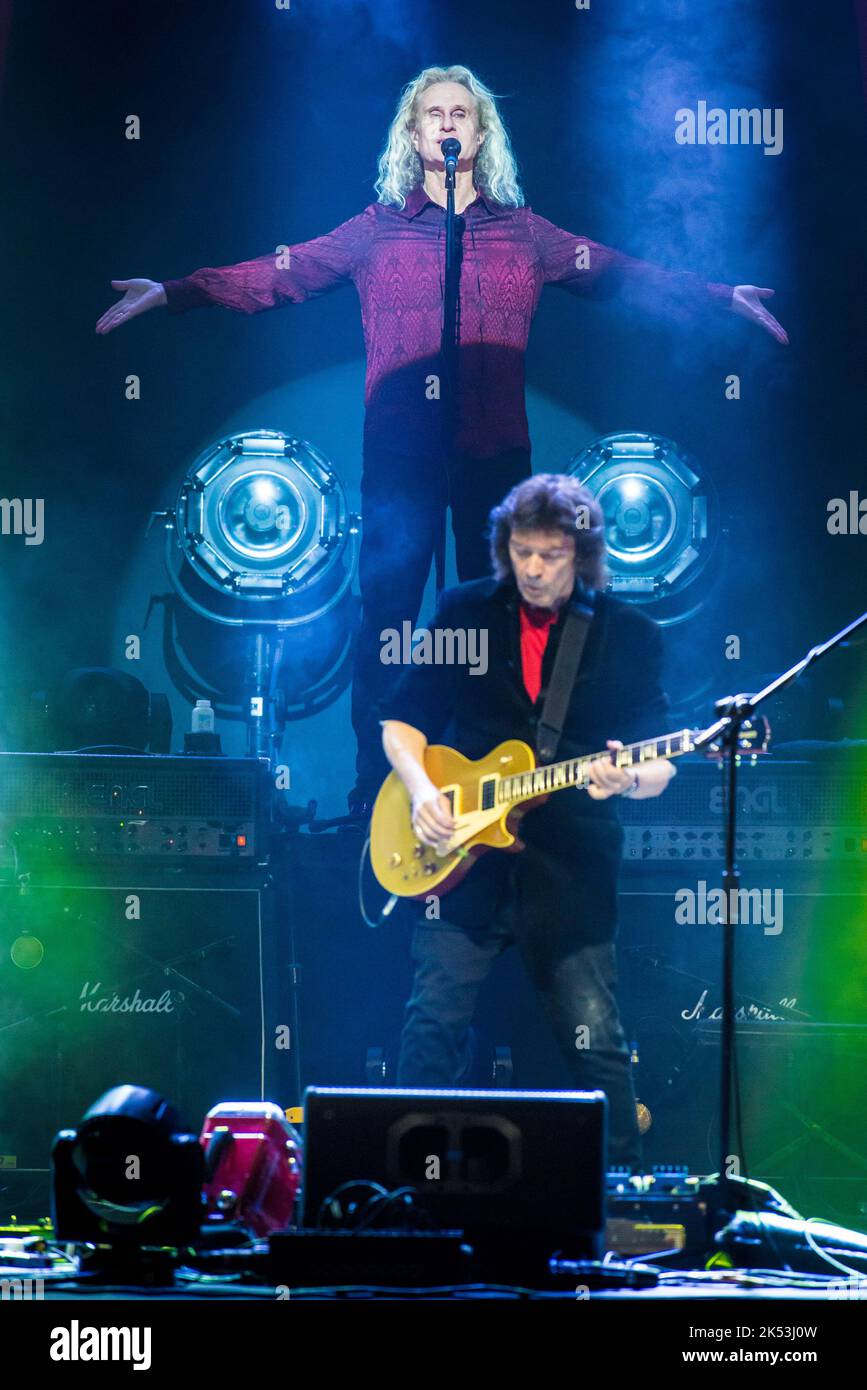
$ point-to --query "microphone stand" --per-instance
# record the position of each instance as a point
(450, 288)
(451, 170)
(449, 339)
(733, 712)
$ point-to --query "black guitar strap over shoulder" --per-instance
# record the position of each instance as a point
(566, 664)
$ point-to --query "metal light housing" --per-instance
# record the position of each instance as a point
(661, 518)
(261, 516)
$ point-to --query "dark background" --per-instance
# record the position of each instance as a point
(262, 126)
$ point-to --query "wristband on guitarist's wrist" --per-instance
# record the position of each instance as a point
(630, 791)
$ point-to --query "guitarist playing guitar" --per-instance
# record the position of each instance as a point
(557, 900)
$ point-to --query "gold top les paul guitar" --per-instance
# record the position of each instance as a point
(489, 797)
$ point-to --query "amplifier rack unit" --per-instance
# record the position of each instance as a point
(77, 808)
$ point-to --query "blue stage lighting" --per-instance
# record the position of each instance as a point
(661, 518)
(262, 516)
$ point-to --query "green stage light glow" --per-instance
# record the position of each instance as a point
(27, 952)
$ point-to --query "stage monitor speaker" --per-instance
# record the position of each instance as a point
(523, 1166)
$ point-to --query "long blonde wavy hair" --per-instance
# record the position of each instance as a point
(494, 172)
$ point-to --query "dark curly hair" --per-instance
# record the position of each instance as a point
(551, 502)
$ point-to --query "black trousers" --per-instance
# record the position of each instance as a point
(576, 991)
(403, 514)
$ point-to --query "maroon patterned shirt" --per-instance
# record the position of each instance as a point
(395, 258)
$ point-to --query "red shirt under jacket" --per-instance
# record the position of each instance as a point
(536, 625)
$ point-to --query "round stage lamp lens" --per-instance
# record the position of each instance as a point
(259, 517)
(262, 516)
(660, 517)
(640, 517)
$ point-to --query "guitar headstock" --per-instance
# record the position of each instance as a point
(754, 737)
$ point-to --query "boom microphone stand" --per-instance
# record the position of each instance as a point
(733, 712)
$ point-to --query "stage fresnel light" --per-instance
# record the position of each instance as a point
(262, 516)
(261, 539)
(661, 519)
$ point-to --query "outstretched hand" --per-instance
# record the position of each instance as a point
(747, 301)
(140, 296)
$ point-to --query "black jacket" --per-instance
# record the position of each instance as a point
(565, 882)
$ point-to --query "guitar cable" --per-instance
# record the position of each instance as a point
(390, 902)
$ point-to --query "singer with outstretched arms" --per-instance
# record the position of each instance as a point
(426, 448)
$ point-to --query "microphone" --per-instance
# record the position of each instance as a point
(451, 148)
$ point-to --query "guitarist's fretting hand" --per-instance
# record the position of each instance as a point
(606, 779)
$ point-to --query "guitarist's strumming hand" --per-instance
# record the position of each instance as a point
(431, 812)
(432, 819)
(650, 779)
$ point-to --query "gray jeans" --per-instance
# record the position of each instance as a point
(576, 990)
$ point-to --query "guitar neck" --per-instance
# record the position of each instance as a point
(575, 772)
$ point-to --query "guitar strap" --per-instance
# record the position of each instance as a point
(566, 664)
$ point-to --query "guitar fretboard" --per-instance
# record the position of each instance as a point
(575, 772)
